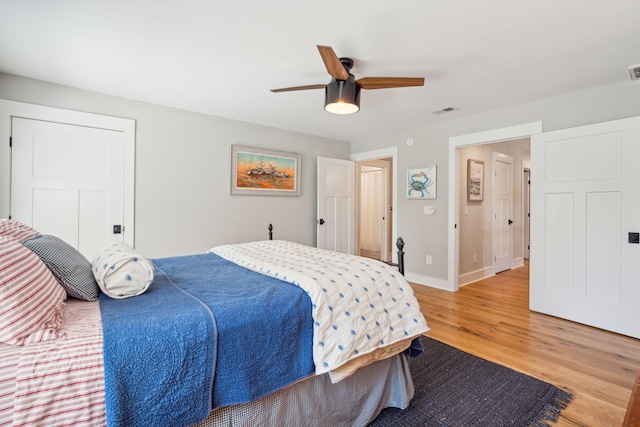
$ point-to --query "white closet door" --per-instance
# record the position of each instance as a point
(68, 181)
(585, 259)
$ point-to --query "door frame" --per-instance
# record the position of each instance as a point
(384, 153)
(455, 144)
(9, 109)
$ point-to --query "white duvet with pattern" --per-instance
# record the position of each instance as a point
(359, 304)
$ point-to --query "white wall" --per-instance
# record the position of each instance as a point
(183, 204)
(182, 180)
(427, 234)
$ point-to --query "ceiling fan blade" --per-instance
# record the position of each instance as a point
(332, 62)
(289, 89)
(389, 82)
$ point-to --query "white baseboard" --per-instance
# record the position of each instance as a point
(464, 279)
(428, 281)
(518, 262)
(474, 276)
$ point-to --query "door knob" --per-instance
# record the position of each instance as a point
(510, 222)
(321, 221)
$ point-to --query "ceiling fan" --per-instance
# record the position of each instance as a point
(342, 94)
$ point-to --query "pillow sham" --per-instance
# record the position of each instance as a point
(17, 230)
(120, 271)
(31, 300)
(70, 268)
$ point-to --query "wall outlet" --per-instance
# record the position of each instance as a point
(475, 258)
(429, 260)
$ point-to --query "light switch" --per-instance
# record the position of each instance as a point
(429, 210)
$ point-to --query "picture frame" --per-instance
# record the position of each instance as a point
(264, 172)
(421, 183)
(475, 180)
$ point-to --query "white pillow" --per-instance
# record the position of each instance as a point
(120, 271)
(31, 300)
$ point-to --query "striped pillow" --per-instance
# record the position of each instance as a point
(31, 300)
(70, 268)
(16, 229)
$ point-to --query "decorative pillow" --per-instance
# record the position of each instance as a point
(70, 268)
(120, 271)
(31, 301)
(16, 229)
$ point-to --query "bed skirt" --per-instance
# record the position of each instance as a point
(315, 401)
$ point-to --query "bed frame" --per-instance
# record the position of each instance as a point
(399, 245)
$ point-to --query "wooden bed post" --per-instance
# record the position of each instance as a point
(270, 232)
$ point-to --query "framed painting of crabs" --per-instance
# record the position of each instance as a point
(421, 183)
(262, 172)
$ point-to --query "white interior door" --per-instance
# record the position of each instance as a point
(68, 181)
(585, 216)
(336, 205)
(502, 197)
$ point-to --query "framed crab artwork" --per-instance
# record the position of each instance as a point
(262, 172)
(421, 183)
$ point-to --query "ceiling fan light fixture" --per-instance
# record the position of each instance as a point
(342, 96)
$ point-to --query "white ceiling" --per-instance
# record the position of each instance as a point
(223, 57)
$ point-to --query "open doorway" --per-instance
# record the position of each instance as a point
(466, 264)
(491, 224)
(374, 209)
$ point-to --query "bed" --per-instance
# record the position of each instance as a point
(234, 336)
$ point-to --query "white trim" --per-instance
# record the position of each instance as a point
(383, 154)
(455, 143)
(432, 282)
(474, 276)
(517, 262)
(9, 109)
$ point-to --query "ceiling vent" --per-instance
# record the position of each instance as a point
(634, 72)
(445, 110)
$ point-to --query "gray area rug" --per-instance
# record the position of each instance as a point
(454, 388)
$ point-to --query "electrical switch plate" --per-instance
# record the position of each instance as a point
(429, 210)
(634, 237)
(429, 260)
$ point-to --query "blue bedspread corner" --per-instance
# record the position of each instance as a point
(415, 349)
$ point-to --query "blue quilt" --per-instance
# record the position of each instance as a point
(207, 333)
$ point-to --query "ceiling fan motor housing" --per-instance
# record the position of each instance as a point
(342, 96)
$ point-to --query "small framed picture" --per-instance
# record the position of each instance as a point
(421, 183)
(475, 180)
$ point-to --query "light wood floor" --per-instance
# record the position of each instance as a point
(491, 319)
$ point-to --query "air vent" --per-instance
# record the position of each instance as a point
(445, 110)
(634, 72)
